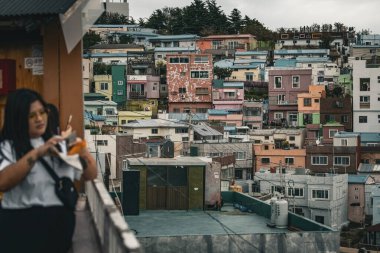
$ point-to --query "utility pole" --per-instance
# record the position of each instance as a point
(189, 132)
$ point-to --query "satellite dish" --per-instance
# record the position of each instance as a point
(318, 141)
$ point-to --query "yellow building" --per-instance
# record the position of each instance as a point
(125, 116)
(103, 85)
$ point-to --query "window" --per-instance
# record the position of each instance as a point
(176, 110)
(120, 82)
(179, 60)
(329, 118)
(316, 101)
(320, 194)
(289, 160)
(201, 59)
(365, 84)
(201, 91)
(276, 188)
(341, 160)
(378, 118)
(292, 138)
(182, 90)
(295, 81)
(321, 79)
(366, 161)
(181, 130)
(343, 142)
(199, 74)
(319, 160)
(265, 160)
(119, 92)
(103, 86)
(278, 115)
(296, 192)
(186, 110)
(377, 161)
(293, 117)
(364, 99)
(266, 138)
(378, 79)
(320, 219)
(154, 131)
(232, 44)
(216, 44)
(102, 142)
(281, 99)
(307, 118)
(201, 110)
(239, 174)
(307, 102)
(240, 155)
(332, 132)
(249, 76)
(185, 138)
(277, 82)
(344, 119)
(362, 119)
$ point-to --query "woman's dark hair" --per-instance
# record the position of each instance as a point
(53, 119)
(16, 120)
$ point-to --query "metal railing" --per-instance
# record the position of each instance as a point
(113, 231)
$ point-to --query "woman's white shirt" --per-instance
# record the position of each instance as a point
(37, 188)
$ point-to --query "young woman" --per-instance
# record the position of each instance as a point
(32, 218)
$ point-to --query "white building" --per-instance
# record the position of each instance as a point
(366, 97)
(108, 109)
(320, 198)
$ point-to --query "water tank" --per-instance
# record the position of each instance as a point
(281, 213)
(273, 210)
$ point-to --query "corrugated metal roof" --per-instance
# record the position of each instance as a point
(175, 49)
(251, 53)
(175, 37)
(154, 123)
(205, 130)
(185, 116)
(284, 63)
(249, 66)
(224, 63)
(217, 112)
(300, 51)
(176, 161)
(343, 134)
(34, 7)
(357, 179)
(370, 137)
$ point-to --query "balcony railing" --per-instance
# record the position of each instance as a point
(113, 231)
(137, 95)
(287, 102)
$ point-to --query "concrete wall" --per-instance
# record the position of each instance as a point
(310, 242)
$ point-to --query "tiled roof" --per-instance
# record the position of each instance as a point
(34, 7)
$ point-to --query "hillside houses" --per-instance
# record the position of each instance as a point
(293, 107)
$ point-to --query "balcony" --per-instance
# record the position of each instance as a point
(287, 102)
(137, 95)
(100, 227)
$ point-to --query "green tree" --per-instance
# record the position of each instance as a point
(126, 39)
(90, 39)
(217, 22)
(101, 68)
(157, 21)
(222, 73)
(235, 21)
(195, 17)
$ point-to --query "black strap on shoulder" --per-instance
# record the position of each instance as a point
(49, 169)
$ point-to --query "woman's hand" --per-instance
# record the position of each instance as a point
(49, 147)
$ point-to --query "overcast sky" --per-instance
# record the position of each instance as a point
(362, 14)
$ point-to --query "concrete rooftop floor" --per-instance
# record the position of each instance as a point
(177, 223)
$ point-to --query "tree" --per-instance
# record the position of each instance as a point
(90, 39)
(217, 22)
(126, 39)
(101, 68)
(222, 73)
(195, 17)
(235, 21)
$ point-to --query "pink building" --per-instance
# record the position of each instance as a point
(356, 197)
(283, 87)
(143, 87)
(228, 95)
(238, 42)
(189, 80)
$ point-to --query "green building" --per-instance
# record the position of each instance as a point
(119, 86)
